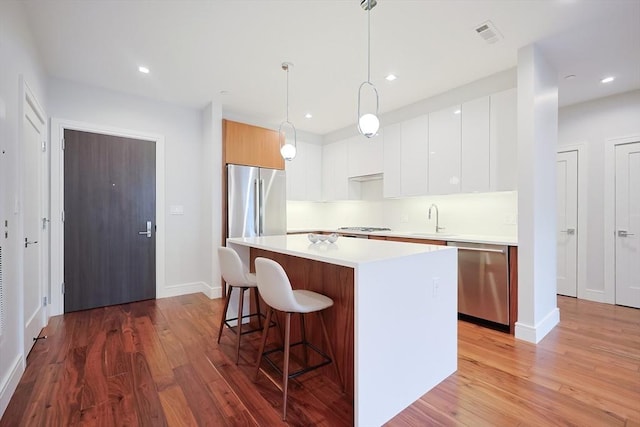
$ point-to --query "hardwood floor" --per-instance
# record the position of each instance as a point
(157, 363)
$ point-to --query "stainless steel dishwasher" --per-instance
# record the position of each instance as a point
(483, 281)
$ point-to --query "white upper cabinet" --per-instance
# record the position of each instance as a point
(444, 151)
(475, 164)
(504, 141)
(413, 156)
(304, 173)
(392, 161)
(365, 155)
(335, 179)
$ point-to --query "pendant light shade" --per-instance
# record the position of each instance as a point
(288, 147)
(368, 123)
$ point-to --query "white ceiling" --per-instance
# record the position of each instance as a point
(196, 49)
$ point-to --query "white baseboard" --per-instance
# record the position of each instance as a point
(191, 288)
(595, 295)
(534, 334)
(10, 382)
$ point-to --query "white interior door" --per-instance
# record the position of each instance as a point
(35, 237)
(567, 222)
(627, 252)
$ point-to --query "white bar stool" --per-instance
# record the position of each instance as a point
(233, 273)
(275, 289)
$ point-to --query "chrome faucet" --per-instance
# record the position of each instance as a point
(438, 228)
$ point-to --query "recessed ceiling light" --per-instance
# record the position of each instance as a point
(391, 77)
(143, 69)
(308, 115)
(570, 76)
(457, 112)
(607, 79)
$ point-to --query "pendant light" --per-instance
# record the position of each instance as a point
(368, 124)
(287, 149)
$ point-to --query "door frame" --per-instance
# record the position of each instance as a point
(28, 97)
(58, 126)
(610, 213)
(583, 292)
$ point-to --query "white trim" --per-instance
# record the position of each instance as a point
(583, 291)
(58, 127)
(28, 97)
(534, 334)
(191, 288)
(10, 383)
(609, 241)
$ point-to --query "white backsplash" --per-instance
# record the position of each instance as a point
(492, 214)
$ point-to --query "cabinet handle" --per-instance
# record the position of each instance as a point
(569, 231)
(498, 251)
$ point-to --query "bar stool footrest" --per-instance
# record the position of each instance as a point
(247, 316)
(327, 360)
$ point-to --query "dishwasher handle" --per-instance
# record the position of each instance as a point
(467, 248)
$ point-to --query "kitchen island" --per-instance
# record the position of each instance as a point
(393, 325)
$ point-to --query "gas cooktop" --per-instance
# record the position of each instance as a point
(364, 229)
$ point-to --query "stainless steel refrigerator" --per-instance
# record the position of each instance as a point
(256, 201)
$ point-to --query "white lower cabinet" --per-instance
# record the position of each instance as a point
(444, 150)
(304, 173)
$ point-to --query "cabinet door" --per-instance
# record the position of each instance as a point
(335, 183)
(392, 140)
(475, 150)
(413, 155)
(444, 151)
(251, 145)
(504, 141)
(365, 155)
(304, 173)
(313, 165)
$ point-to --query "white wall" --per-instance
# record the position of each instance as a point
(186, 269)
(18, 56)
(492, 214)
(592, 124)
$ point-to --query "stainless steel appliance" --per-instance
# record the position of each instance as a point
(483, 281)
(256, 201)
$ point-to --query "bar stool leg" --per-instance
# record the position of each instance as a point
(304, 341)
(239, 325)
(330, 349)
(285, 370)
(224, 312)
(257, 298)
(265, 332)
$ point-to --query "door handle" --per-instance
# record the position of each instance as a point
(569, 231)
(27, 242)
(624, 233)
(148, 231)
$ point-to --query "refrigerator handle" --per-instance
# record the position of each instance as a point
(262, 207)
(256, 207)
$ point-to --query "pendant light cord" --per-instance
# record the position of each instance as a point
(369, 41)
(287, 93)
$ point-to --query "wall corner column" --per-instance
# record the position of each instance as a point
(537, 141)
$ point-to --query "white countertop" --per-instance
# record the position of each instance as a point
(464, 238)
(345, 251)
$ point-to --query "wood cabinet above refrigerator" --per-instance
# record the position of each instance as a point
(249, 145)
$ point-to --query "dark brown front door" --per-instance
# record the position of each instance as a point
(109, 196)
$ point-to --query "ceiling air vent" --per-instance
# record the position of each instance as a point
(488, 32)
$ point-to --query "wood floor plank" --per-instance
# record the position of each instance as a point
(158, 363)
(176, 408)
